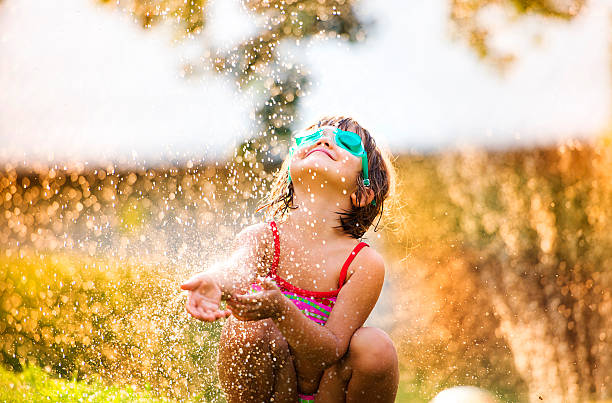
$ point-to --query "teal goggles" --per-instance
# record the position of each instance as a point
(350, 141)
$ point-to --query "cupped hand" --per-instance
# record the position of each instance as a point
(204, 298)
(267, 303)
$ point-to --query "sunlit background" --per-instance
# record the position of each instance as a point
(137, 138)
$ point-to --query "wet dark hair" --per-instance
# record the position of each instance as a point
(355, 221)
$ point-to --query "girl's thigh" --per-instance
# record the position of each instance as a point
(368, 371)
(254, 362)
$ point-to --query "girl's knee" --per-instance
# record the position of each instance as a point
(372, 352)
(246, 361)
(240, 340)
(277, 342)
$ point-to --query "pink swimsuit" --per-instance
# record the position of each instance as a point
(315, 305)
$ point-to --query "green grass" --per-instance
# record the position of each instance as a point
(35, 385)
(407, 393)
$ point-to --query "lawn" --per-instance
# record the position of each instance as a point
(126, 340)
(35, 384)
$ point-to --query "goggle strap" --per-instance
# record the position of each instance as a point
(291, 150)
(364, 166)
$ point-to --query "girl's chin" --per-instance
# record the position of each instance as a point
(317, 179)
(317, 160)
(307, 168)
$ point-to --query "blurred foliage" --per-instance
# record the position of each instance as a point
(256, 63)
(446, 326)
(87, 282)
(512, 252)
(79, 316)
(504, 269)
(467, 18)
(103, 211)
(189, 14)
(36, 385)
(140, 215)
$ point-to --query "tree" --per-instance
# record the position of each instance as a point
(256, 61)
(465, 16)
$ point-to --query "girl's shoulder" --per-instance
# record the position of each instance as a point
(371, 256)
(258, 229)
(259, 233)
(259, 239)
(369, 261)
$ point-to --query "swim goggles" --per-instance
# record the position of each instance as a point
(350, 141)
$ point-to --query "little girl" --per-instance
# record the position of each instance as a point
(300, 289)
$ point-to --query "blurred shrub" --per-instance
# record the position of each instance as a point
(513, 252)
(162, 211)
(78, 316)
(446, 329)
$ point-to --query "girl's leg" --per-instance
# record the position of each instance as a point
(255, 364)
(369, 371)
(285, 382)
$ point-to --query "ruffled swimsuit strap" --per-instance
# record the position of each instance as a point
(276, 258)
(348, 262)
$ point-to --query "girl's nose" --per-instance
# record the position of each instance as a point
(324, 140)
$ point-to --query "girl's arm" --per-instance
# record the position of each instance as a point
(316, 347)
(229, 276)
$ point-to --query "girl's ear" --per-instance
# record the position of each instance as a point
(365, 199)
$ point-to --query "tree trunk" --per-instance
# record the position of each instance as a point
(542, 335)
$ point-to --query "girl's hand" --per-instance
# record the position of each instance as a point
(268, 303)
(204, 298)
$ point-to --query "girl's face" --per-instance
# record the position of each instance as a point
(325, 163)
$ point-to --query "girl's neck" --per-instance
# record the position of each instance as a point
(316, 218)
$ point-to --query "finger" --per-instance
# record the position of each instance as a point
(249, 298)
(206, 316)
(268, 284)
(248, 307)
(222, 314)
(191, 305)
(207, 305)
(245, 317)
(191, 284)
(206, 311)
(193, 310)
(231, 304)
(210, 311)
(236, 310)
(203, 310)
(197, 303)
(235, 313)
(251, 316)
(188, 307)
(196, 311)
(246, 300)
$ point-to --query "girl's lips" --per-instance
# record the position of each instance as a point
(323, 151)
